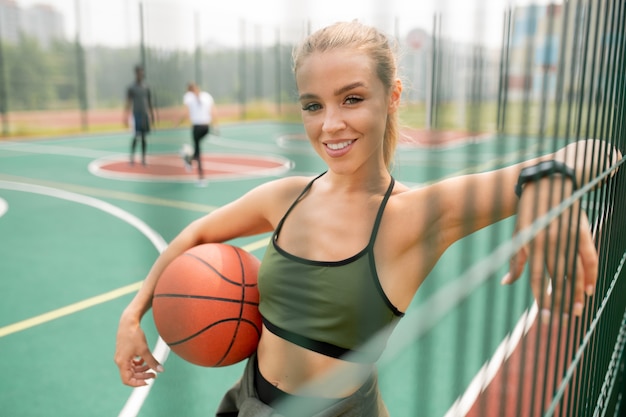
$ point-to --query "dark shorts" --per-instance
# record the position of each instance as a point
(242, 400)
(142, 122)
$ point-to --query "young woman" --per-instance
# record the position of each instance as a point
(351, 246)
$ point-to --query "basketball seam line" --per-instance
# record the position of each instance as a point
(178, 342)
(213, 269)
(204, 297)
(243, 297)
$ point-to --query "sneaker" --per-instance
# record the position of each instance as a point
(187, 161)
(202, 183)
(185, 154)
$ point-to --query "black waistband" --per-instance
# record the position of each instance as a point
(267, 392)
(272, 395)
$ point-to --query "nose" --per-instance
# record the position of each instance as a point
(333, 120)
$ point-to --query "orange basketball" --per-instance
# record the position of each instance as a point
(205, 305)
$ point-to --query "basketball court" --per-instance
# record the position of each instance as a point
(81, 227)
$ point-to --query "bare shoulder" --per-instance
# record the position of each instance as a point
(286, 187)
(423, 216)
(257, 211)
(404, 197)
(275, 196)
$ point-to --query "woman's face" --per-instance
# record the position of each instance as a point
(344, 108)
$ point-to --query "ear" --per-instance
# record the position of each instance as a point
(396, 93)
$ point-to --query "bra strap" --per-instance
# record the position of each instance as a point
(379, 215)
(296, 201)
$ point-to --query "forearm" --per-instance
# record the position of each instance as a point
(142, 301)
(588, 158)
(579, 163)
(491, 196)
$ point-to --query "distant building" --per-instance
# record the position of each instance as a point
(44, 23)
(535, 49)
(10, 17)
(41, 22)
(463, 71)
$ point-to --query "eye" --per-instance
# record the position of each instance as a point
(353, 100)
(311, 107)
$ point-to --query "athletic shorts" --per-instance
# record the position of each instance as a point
(142, 122)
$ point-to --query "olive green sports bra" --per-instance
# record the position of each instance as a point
(329, 307)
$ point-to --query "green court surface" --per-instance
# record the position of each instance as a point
(75, 242)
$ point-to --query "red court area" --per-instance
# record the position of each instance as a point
(430, 138)
(531, 377)
(170, 167)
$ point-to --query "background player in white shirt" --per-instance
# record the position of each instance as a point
(201, 111)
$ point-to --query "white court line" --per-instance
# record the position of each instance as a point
(51, 150)
(4, 207)
(161, 350)
(125, 216)
(485, 375)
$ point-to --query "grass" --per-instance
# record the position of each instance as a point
(528, 119)
(520, 118)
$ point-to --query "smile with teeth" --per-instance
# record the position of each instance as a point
(339, 145)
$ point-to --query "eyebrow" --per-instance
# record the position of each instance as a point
(339, 91)
(348, 88)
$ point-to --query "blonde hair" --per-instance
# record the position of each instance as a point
(372, 42)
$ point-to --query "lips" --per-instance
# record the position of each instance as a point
(336, 149)
(339, 145)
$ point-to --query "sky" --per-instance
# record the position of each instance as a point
(186, 23)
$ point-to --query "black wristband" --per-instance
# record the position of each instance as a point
(541, 170)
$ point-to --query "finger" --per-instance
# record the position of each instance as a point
(140, 368)
(133, 379)
(541, 289)
(580, 263)
(138, 381)
(151, 361)
(557, 264)
(128, 378)
(139, 372)
(143, 376)
(579, 289)
(135, 383)
(588, 256)
(516, 266)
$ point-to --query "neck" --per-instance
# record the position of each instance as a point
(369, 182)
